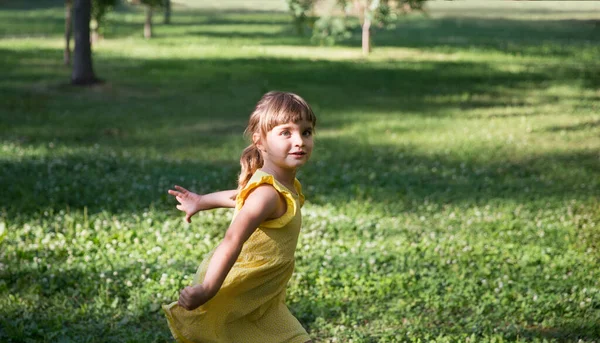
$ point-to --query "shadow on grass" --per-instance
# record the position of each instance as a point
(101, 182)
(340, 86)
(577, 127)
(143, 118)
(384, 178)
(401, 179)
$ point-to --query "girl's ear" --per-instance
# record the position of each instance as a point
(257, 142)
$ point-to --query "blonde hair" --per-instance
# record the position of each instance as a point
(273, 109)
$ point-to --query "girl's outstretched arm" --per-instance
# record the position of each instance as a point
(191, 203)
(262, 204)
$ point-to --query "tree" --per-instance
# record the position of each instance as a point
(150, 6)
(148, 23)
(99, 10)
(167, 6)
(68, 31)
(300, 10)
(332, 25)
(82, 71)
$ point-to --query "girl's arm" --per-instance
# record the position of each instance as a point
(191, 203)
(262, 204)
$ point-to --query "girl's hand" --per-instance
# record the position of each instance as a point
(193, 297)
(189, 202)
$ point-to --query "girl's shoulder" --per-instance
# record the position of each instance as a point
(293, 200)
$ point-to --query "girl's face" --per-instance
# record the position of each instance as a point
(288, 146)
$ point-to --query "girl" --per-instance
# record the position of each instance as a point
(238, 294)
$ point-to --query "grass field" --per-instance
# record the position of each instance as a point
(453, 194)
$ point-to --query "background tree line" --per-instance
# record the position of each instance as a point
(332, 20)
(328, 20)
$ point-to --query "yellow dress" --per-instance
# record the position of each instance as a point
(250, 306)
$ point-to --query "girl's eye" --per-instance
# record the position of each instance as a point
(307, 133)
(285, 133)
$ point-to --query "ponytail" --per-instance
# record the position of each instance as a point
(250, 161)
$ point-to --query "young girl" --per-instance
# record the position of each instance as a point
(238, 294)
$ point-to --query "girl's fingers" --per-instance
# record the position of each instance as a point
(181, 303)
(183, 299)
(172, 192)
(181, 189)
(180, 207)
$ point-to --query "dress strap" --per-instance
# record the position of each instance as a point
(261, 178)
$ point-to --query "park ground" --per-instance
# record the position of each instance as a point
(453, 194)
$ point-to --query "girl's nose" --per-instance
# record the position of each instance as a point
(298, 141)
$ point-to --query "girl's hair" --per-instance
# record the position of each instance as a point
(273, 109)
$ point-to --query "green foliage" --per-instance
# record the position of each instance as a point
(452, 195)
(330, 28)
(99, 10)
(300, 10)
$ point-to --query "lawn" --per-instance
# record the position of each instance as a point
(453, 194)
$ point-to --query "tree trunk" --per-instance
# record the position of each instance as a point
(167, 12)
(148, 24)
(82, 72)
(94, 26)
(366, 36)
(68, 31)
(365, 22)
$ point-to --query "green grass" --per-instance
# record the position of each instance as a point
(452, 195)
